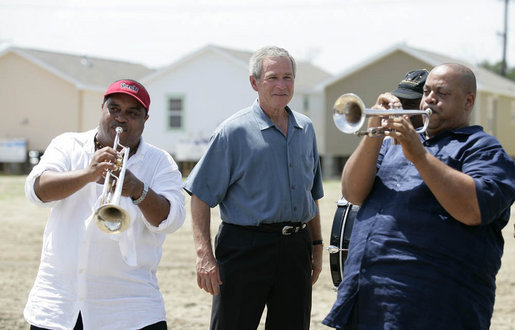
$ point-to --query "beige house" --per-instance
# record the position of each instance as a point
(46, 93)
(494, 108)
(193, 95)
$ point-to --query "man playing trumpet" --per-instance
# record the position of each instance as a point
(426, 243)
(87, 277)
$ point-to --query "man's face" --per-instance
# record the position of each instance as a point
(124, 111)
(445, 96)
(276, 84)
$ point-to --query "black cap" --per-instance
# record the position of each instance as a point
(412, 86)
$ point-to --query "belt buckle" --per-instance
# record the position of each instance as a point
(288, 230)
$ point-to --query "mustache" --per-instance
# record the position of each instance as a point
(123, 127)
(426, 107)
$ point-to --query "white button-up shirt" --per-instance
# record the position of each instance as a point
(109, 278)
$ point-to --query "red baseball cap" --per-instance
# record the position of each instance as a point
(132, 88)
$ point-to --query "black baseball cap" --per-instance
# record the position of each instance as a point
(412, 86)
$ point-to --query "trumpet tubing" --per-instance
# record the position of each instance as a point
(349, 114)
(109, 216)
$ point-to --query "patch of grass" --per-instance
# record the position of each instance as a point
(12, 187)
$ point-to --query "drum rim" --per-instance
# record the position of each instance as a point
(342, 238)
(337, 274)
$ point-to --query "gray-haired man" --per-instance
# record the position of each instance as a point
(262, 169)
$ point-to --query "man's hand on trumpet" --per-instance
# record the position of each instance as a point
(103, 160)
(107, 159)
(401, 130)
(387, 101)
(132, 186)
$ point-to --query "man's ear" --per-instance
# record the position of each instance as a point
(253, 82)
(469, 101)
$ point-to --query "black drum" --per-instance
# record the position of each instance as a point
(340, 238)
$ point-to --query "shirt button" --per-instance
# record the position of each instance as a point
(293, 187)
(291, 165)
(295, 208)
(364, 270)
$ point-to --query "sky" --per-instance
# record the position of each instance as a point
(333, 34)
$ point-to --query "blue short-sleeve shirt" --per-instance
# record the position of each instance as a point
(256, 174)
(410, 263)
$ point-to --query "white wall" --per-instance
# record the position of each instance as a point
(214, 88)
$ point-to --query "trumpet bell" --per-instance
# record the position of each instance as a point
(348, 113)
(111, 219)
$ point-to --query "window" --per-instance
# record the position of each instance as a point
(175, 112)
(305, 103)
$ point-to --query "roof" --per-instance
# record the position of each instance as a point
(487, 81)
(308, 75)
(81, 70)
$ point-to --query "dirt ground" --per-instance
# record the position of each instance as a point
(187, 306)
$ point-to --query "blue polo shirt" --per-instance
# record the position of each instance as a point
(411, 265)
(256, 174)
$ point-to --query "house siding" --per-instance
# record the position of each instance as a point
(36, 105)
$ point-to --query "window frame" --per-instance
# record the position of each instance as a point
(168, 113)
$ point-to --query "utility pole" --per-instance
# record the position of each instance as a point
(505, 40)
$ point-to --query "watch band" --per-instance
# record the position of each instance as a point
(143, 195)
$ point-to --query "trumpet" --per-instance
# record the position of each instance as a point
(109, 216)
(350, 113)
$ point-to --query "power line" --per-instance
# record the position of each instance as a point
(505, 40)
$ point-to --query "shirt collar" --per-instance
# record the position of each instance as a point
(264, 122)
